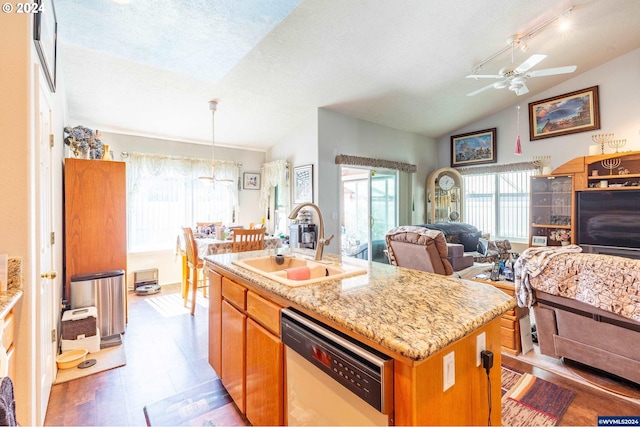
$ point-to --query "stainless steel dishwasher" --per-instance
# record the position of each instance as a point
(331, 379)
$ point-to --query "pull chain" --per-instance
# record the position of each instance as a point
(518, 149)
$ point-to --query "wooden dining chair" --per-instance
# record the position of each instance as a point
(248, 240)
(195, 268)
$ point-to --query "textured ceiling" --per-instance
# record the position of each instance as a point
(150, 67)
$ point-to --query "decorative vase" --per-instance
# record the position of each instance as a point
(83, 154)
(107, 153)
(564, 243)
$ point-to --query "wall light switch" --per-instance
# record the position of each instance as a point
(449, 371)
(481, 344)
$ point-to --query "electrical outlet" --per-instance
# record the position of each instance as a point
(481, 344)
(449, 371)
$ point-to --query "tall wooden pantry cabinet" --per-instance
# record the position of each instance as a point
(95, 217)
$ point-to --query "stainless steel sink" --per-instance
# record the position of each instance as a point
(276, 268)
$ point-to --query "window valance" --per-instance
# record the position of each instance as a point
(343, 159)
(509, 167)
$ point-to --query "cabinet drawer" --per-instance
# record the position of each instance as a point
(264, 312)
(234, 293)
(508, 323)
(7, 337)
(508, 337)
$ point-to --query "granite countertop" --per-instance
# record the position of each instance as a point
(8, 300)
(410, 312)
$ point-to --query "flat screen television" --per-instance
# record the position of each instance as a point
(609, 218)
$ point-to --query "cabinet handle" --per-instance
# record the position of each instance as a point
(49, 275)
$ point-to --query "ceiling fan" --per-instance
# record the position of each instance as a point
(515, 78)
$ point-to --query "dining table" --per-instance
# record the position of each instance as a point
(212, 246)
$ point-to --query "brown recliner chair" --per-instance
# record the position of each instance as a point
(418, 248)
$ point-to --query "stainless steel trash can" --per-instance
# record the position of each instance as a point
(106, 291)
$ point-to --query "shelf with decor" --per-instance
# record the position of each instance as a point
(551, 210)
(618, 170)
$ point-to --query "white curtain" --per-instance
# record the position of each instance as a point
(276, 174)
(164, 194)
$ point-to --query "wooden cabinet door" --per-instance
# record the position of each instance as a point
(215, 321)
(234, 333)
(265, 376)
(95, 197)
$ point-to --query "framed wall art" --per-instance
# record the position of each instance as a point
(303, 184)
(251, 181)
(474, 148)
(561, 115)
(45, 37)
(538, 240)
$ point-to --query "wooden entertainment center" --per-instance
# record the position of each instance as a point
(553, 197)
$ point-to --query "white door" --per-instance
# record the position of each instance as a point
(46, 336)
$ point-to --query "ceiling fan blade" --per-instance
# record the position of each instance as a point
(480, 90)
(522, 90)
(529, 63)
(552, 71)
(484, 76)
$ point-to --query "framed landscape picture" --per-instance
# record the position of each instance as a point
(474, 148)
(561, 115)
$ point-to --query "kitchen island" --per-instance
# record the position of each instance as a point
(416, 318)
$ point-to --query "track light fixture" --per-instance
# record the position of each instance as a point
(520, 41)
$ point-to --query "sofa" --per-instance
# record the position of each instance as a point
(586, 306)
(467, 245)
(418, 248)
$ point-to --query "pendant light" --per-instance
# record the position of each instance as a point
(213, 106)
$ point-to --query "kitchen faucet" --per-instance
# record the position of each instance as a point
(322, 242)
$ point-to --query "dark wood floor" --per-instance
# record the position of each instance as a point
(167, 353)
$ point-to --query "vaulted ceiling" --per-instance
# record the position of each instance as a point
(150, 67)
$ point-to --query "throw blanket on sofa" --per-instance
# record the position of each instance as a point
(610, 283)
(530, 264)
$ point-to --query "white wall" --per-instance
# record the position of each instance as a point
(321, 136)
(168, 264)
(19, 173)
(619, 90)
(340, 134)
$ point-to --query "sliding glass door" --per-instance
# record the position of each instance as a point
(369, 210)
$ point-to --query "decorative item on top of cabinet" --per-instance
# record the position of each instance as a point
(84, 143)
(551, 209)
(444, 196)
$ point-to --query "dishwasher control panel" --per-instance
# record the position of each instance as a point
(362, 370)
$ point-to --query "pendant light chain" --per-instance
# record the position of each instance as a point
(518, 149)
(213, 106)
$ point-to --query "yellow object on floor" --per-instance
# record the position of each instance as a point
(71, 359)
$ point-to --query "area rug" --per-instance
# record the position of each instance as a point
(208, 404)
(604, 380)
(531, 401)
(107, 358)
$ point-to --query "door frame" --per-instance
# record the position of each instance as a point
(369, 172)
